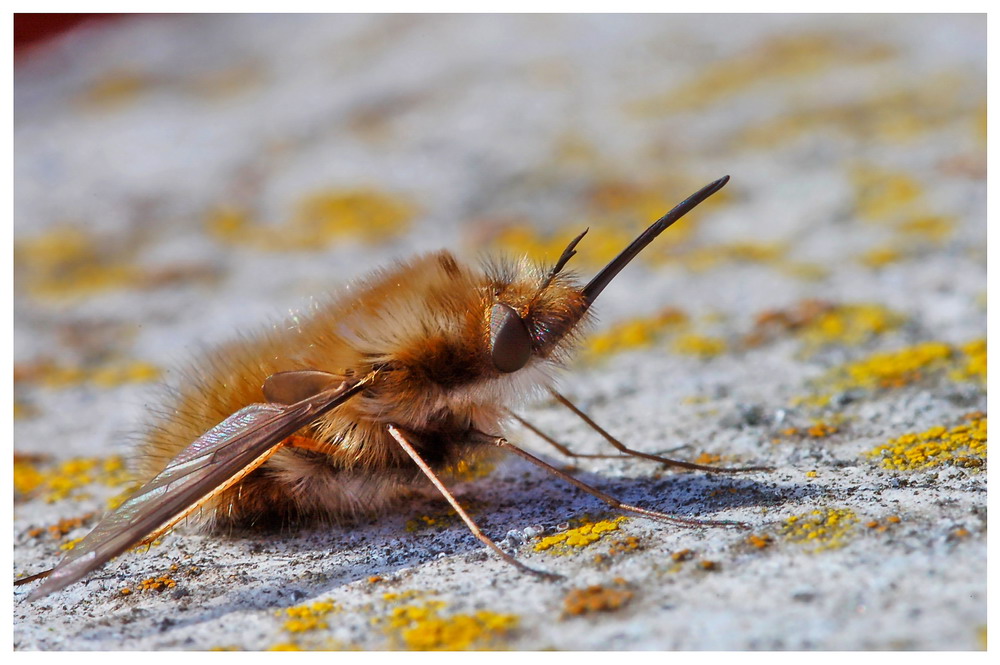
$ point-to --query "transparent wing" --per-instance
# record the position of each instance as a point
(215, 461)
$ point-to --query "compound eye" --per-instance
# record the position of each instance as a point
(510, 341)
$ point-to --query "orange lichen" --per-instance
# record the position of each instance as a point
(880, 527)
(595, 598)
(62, 527)
(161, 583)
(821, 430)
(319, 220)
(963, 445)
(581, 536)
(821, 529)
(760, 541)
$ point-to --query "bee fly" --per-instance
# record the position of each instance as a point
(381, 390)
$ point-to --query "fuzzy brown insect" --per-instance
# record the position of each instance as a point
(407, 374)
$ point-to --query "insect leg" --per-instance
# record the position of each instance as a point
(656, 458)
(607, 498)
(400, 438)
(558, 446)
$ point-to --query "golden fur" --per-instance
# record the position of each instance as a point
(425, 326)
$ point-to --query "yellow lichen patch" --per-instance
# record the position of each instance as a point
(402, 596)
(56, 482)
(465, 471)
(595, 598)
(973, 367)
(898, 368)
(821, 529)
(115, 88)
(70, 544)
(161, 583)
(284, 646)
(963, 445)
(780, 58)
(24, 410)
(66, 262)
(706, 258)
(882, 194)
(579, 537)
(318, 221)
(424, 628)
(931, 227)
(879, 257)
(818, 323)
(304, 618)
(850, 324)
(699, 345)
(635, 333)
(443, 518)
(109, 375)
(893, 115)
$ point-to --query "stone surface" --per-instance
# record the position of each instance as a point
(153, 153)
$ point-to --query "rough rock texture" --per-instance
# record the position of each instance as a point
(182, 180)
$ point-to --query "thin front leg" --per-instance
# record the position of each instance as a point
(656, 458)
(504, 444)
(400, 438)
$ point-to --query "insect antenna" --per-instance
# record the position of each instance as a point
(603, 278)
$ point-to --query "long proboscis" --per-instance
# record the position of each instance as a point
(603, 278)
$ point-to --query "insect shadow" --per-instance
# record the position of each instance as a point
(515, 496)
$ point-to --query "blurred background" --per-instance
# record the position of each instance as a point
(180, 179)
